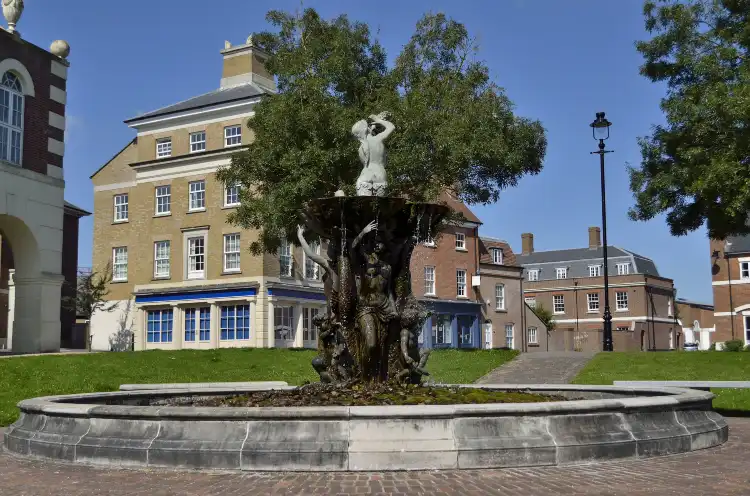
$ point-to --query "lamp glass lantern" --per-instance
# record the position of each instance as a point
(600, 127)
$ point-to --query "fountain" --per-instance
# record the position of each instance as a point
(372, 323)
(368, 336)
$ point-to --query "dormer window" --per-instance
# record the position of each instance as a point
(164, 148)
(11, 118)
(497, 256)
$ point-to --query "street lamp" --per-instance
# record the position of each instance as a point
(600, 129)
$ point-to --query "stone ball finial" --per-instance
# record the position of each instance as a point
(12, 10)
(227, 45)
(60, 48)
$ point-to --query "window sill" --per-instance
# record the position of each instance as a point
(167, 214)
(621, 310)
(501, 310)
(118, 281)
(430, 295)
(120, 222)
(198, 151)
(231, 272)
(462, 297)
(462, 249)
(534, 345)
(161, 278)
(196, 210)
(196, 278)
(558, 313)
(163, 156)
(429, 245)
(593, 311)
(230, 207)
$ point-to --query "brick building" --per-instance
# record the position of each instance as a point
(570, 284)
(730, 273)
(38, 232)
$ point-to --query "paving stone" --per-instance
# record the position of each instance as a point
(715, 471)
(554, 367)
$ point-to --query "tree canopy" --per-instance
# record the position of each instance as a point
(696, 168)
(455, 128)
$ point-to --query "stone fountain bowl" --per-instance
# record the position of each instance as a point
(327, 215)
(135, 429)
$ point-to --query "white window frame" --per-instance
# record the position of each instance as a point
(163, 192)
(497, 256)
(532, 336)
(509, 335)
(312, 269)
(164, 259)
(230, 189)
(198, 142)
(623, 269)
(744, 271)
(561, 271)
(119, 263)
(197, 195)
(121, 209)
(530, 302)
(592, 302)
(618, 301)
(163, 147)
(12, 129)
(595, 270)
(309, 329)
(446, 331)
(461, 283)
(533, 275)
(460, 241)
(230, 138)
(500, 297)
(192, 253)
(232, 252)
(286, 251)
(429, 280)
(555, 299)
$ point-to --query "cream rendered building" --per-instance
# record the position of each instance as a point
(182, 276)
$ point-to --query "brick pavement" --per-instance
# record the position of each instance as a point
(554, 367)
(716, 472)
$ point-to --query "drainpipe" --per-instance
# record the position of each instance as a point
(731, 303)
(578, 331)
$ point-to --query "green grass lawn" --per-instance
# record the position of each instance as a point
(675, 366)
(27, 377)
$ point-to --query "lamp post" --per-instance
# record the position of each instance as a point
(600, 129)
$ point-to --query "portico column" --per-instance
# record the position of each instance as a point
(298, 335)
(36, 323)
(178, 327)
(215, 333)
(270, 335)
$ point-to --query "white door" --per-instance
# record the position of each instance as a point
(488, 335)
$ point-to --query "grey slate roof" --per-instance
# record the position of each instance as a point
(577, 261)
(216, 97)
(739, 244)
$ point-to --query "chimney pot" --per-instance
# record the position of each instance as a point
(527, 244)
(595, 240)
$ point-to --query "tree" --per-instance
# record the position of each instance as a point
(696, 167)
(454, 127)
(91, 290)
(545, 315)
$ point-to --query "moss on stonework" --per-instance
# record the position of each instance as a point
(373, 394)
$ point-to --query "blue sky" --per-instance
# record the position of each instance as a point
(560, 62)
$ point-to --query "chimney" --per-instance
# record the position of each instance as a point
(245, 64)
(527, 244)
(595, 240)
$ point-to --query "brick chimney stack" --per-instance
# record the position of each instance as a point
(595, 240)
(245, 64)
(527, 244)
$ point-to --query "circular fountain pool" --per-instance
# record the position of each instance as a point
(136, 428)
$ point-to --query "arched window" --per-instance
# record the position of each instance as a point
(11, 118)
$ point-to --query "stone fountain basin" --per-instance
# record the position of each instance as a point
(130, 428)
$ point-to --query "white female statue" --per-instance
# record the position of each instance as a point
(372, 180)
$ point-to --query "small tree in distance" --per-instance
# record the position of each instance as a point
(91, 290)
(545, 316)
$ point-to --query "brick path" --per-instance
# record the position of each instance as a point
(714, 472)
(554, 367)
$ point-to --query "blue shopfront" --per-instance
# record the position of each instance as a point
(452, 324)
